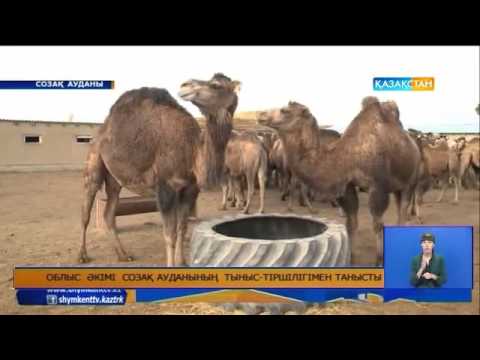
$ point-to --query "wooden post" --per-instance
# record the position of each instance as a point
(126, 206)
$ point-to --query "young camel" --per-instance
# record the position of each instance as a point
(245, 157)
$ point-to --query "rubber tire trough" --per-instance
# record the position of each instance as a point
(269, 240)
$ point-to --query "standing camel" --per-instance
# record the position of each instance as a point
(288, 182)
(245, 157)
(438, 163)
(152, 146)
(470, 157)
(374, 153)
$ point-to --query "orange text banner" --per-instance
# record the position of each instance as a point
(87, 277)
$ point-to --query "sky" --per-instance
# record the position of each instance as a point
(330, 80)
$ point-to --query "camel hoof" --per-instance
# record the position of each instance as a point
(125, 258)
(245, 211)
(313, 212)
(83, 259)
(222, 208)
(455, 202)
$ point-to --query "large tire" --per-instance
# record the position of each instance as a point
(331, 248)
(209, 248)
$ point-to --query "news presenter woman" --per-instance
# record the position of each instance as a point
(428, 268)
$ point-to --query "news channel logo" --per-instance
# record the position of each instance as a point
(52, 300)
(403, 84)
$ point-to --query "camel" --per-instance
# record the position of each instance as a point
(373, 153)
(440, 163)
(469, 157)
(288, 182)
(152, 146)
(245, 157)
(268, 141)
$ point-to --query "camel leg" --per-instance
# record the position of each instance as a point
(291, 193)
(112, 188)
(301, 198)
(398, 203)
(225, 190)
(304, 193)
(250, 190)
(341, 213)
(285, 185)
(262, 181)
(239, 195)
(94, 177)
(419, 193)
(193, 215)
(349, 204)
(455, 182)
(408, 198)
(280, 180)
(464, 162)
(167, 204)
(414, 204)
(417, 209)
(230, 192)
(187, 199)
(444, 188)
(378, 203)
(412, 210)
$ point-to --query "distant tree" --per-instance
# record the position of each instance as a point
(478, 109)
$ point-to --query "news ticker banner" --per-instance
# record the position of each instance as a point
(57, 84)
(120, 286)
(211, 278)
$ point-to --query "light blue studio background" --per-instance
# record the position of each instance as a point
(401, 244)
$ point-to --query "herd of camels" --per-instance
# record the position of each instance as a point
(153, 146)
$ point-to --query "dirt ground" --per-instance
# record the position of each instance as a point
(40, 224)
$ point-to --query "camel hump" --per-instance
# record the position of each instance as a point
(391, 112)
(132, 99)
(369, 100)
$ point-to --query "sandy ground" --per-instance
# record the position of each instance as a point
(40, 224)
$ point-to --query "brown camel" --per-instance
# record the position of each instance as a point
(268, 141)
(245, 157)
(438, 163)
(288, 182)
(374, 153)
(470, 157)
(151, 145)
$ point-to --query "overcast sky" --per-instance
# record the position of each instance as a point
(330, 80)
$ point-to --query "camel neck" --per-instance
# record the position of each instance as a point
(212, 143)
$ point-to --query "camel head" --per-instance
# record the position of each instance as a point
(287, 118)
(218, 93)
(461, 143)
